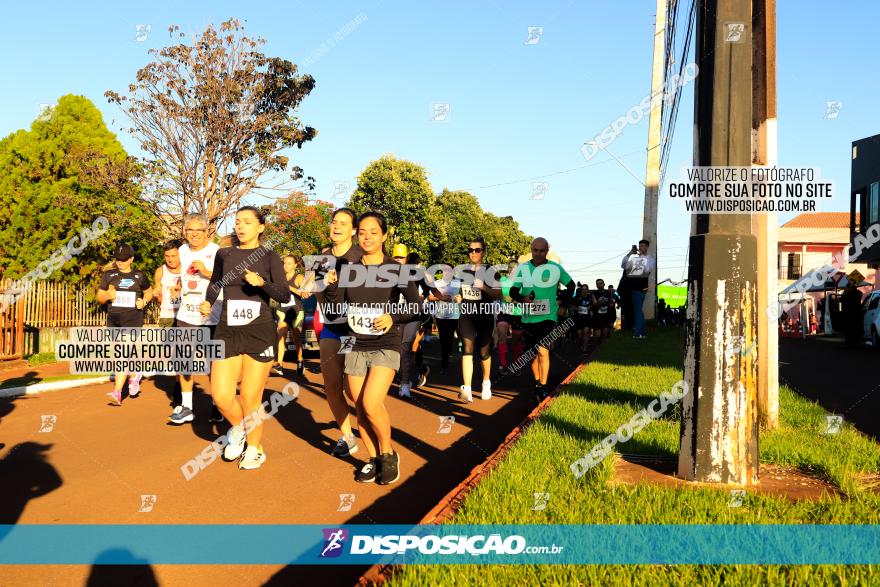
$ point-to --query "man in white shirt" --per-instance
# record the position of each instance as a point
(638, 266)
(196, 266)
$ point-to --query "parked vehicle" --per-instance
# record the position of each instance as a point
(871, 307)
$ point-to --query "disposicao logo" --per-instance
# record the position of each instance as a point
(334, 538)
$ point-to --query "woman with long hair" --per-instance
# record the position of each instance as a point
(374, 312)
(292, 314)
(333, 326)
(249, 275)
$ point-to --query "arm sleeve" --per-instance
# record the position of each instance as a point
(625, 259)
(411, 294)
(276, 285)
(105, 281)
(145, 283)
(215, 286)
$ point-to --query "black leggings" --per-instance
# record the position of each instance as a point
(475, 333)
(446, 329)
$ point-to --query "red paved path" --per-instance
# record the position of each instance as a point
(98, 460)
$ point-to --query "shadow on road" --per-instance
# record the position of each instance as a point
(126, 569)
(25, 474)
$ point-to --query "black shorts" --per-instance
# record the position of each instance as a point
(536, 332)
(515, 322)
(582, 321)
(476, 328)
(603, 320)
(181, 324)
(127, 319)
(258, 341)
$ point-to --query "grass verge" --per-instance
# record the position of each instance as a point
(626, 376)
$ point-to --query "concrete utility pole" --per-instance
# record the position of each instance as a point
(765, 225)
(719, 434)
(652, 173)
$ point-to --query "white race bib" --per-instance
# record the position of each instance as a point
(189, 308)
(540, 307)
(470, 292)
(125, 299)
(583, 309)
(241, 312)
(361, 319)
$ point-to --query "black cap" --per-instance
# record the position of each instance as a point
(123, 252)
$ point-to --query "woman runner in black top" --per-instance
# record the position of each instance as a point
(249, 275)
(373, 312)
(291, 315)
(477, 321)
(340, 252)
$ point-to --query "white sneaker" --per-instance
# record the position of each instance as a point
(252, 458)
(486, 394)
(404, 390)
(235, 446)
(465, 394)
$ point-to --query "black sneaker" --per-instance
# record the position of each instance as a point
(368, 473)
(389, 465)
(344, 447)
(423, 376)
(277, 369)
(216, 416)
(300, 367)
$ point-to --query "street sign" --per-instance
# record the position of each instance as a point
(855, 277)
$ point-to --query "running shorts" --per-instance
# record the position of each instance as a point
(128, 319)
(257, 341)
(536, 332)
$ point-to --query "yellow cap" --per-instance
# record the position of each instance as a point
(399, 250)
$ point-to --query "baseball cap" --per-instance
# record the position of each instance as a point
(123, 252)
(399, 250)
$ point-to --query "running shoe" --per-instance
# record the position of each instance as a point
(486, 393)
(389, 468)
(368, 473)
(423, 376)
(216, 416)
(235, 447)
(300, 367)
(252, 458)
(404, 390)
(345, 446)
(115, 397)
(465, 394)
(181, 415)
(134, 385)
(277, 369)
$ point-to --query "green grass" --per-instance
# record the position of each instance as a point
(41, 359)
(626, 377)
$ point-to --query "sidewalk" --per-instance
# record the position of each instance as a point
(48, 377)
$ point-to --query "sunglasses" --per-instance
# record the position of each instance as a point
(477, 250)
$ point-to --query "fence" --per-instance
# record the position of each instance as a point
(51, 305)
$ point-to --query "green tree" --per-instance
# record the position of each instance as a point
(213, 118)
(56, 179)
(464, 219)
(298, 226)
(399, 189)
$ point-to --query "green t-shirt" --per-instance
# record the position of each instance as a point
(544, 280)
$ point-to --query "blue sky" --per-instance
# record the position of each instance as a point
(518, 111)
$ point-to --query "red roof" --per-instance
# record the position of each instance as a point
(821, 220)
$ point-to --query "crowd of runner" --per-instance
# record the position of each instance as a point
(373, 312)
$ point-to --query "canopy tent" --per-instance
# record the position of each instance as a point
(838, 280)
(815, 284)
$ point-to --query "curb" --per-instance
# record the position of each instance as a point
(379, 573)
(50, 386)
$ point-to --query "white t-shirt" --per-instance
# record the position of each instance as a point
(168, 308)
(195, 287)
(447, 310)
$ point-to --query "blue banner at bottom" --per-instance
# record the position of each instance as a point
(445, 544)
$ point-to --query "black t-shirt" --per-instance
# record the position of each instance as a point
(129, 288)
(244, 303)
(475, 301)
(335, 323)
(604, 306)
(367, 301)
